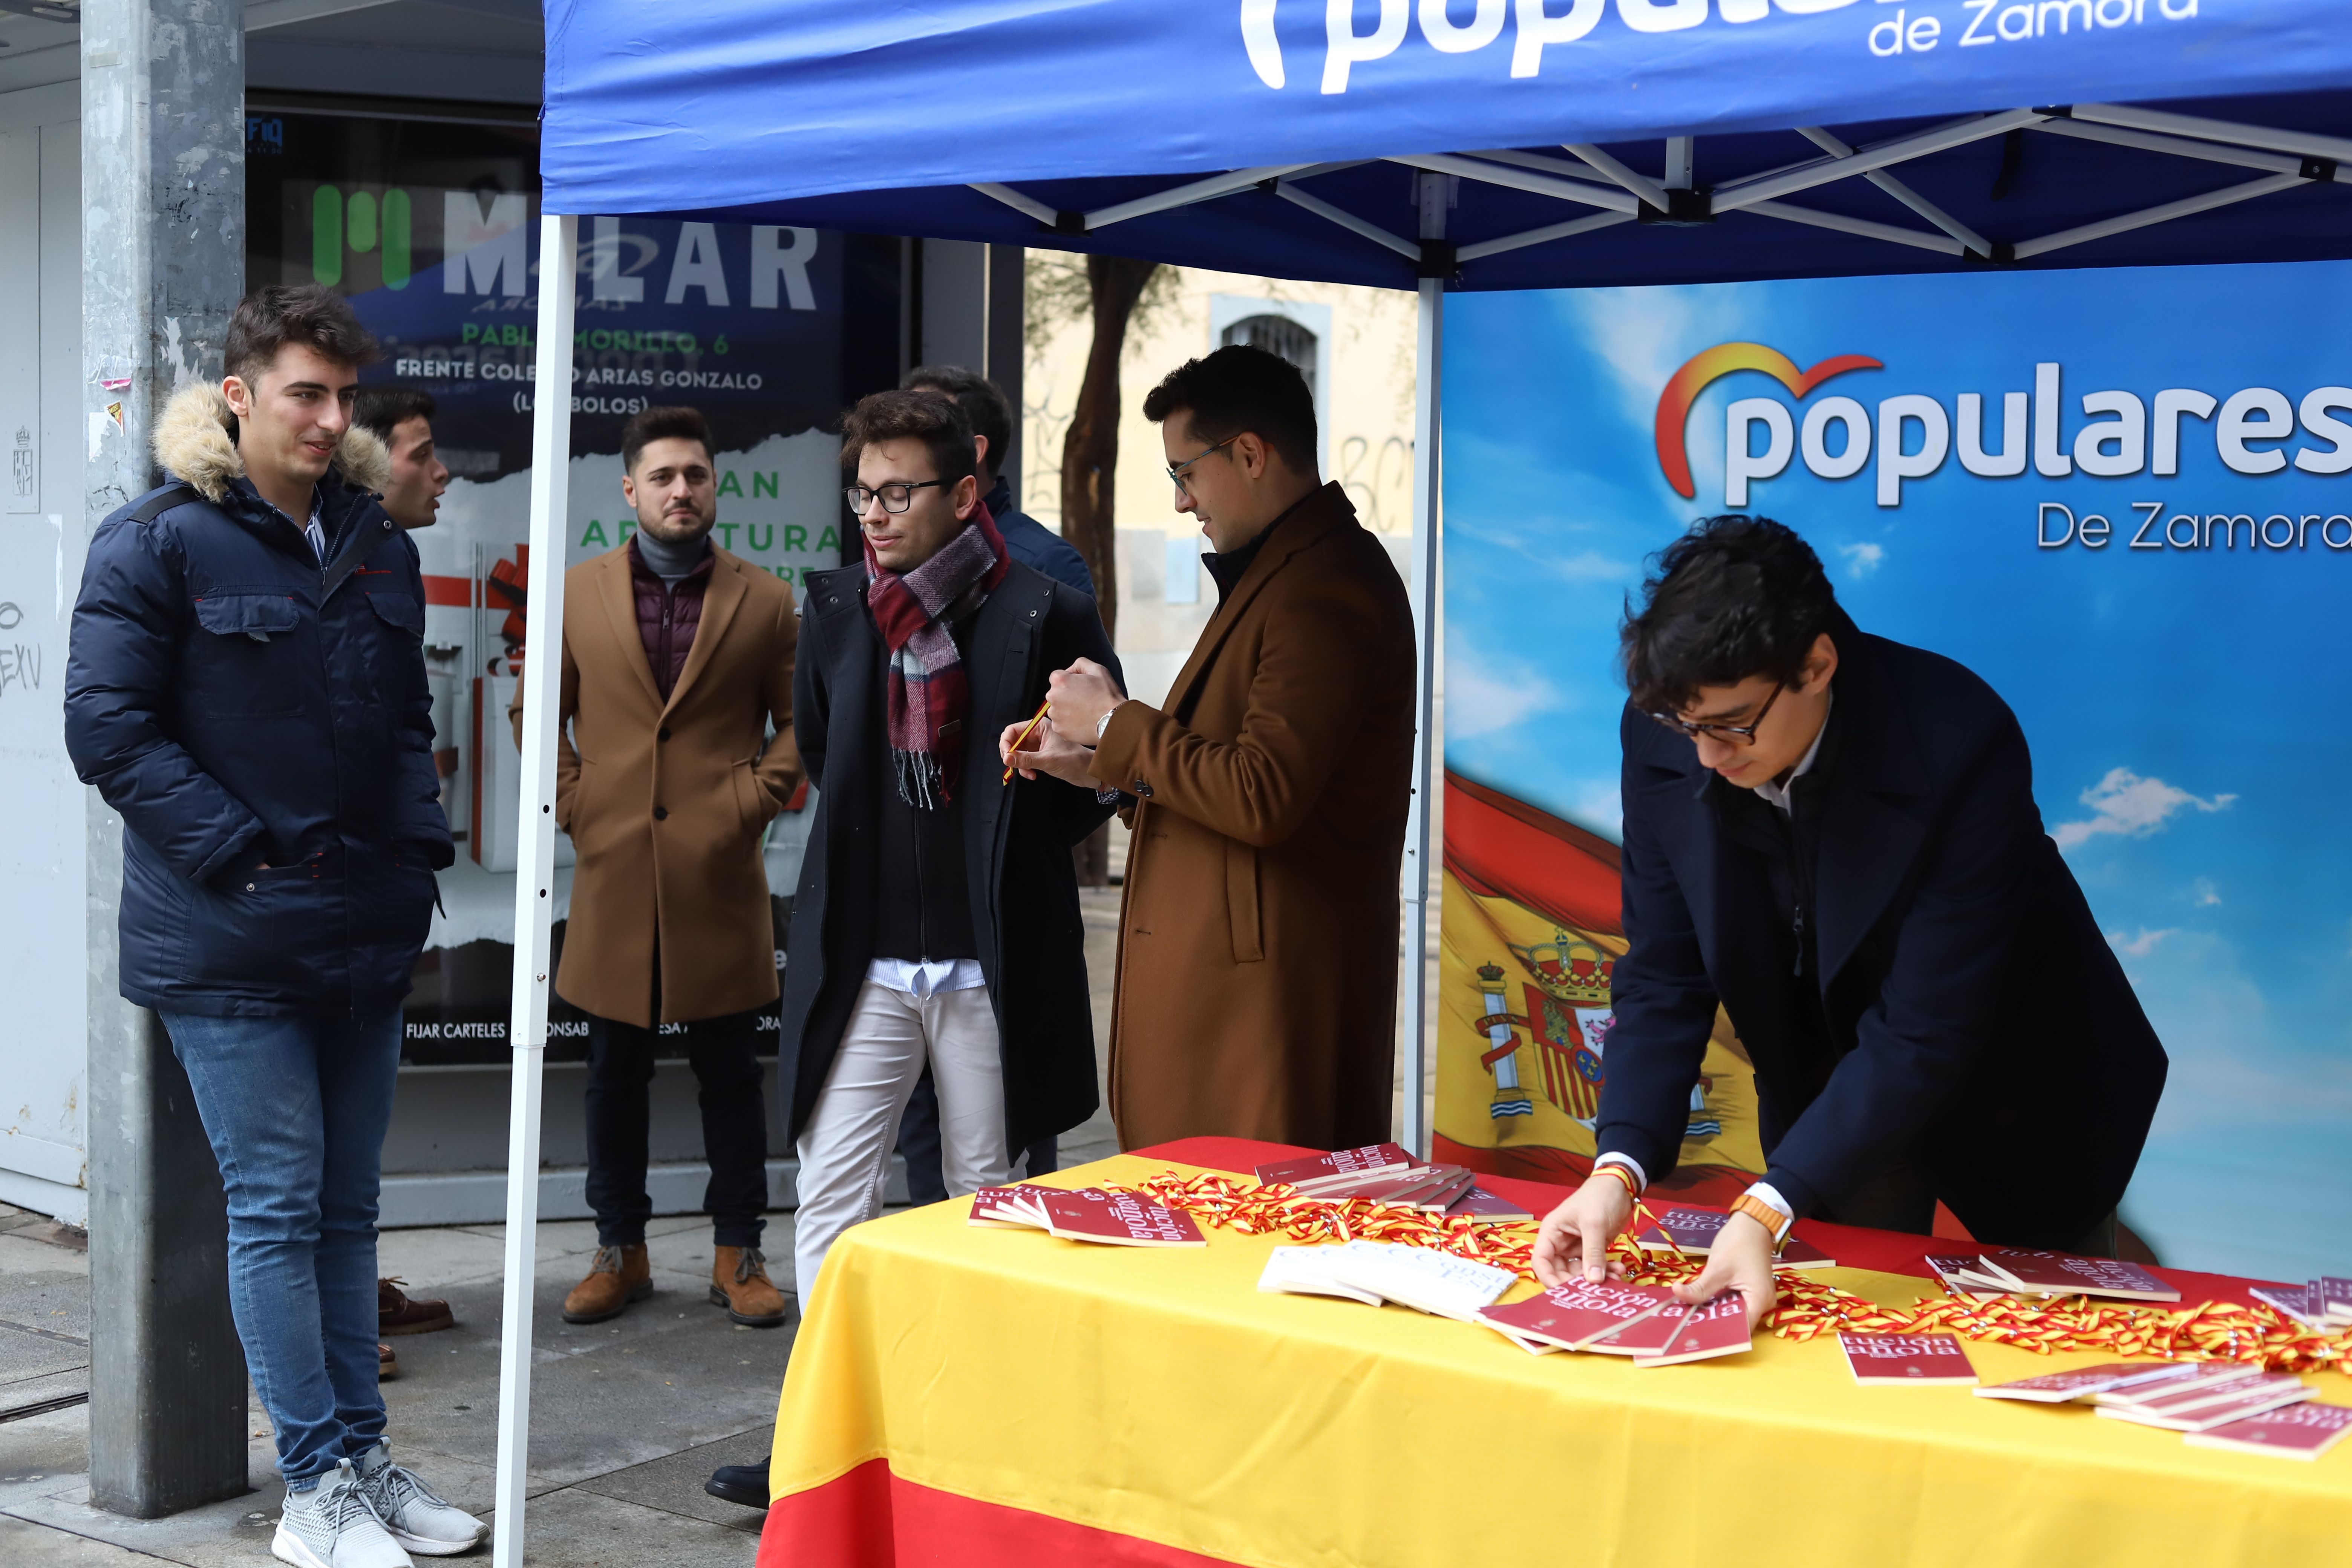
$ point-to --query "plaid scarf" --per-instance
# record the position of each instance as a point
(929, 691)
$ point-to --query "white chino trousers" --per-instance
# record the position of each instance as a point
(845, 1150)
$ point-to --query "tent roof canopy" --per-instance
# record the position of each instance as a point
(2089, 186)
(1770, 143)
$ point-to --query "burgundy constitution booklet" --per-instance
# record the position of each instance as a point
(1717, 1328)
(1122, 1219)
(1016, 1207)
(1907, 1358)
(2037, 1273)
(2083, 1381)
(1333, 1174)
(2303, 1431)
(1576, 1315)
(1692, 1231)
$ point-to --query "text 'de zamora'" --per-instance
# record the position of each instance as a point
(2153, 527)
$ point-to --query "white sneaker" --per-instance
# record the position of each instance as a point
(416, 1518)
(332, 1525)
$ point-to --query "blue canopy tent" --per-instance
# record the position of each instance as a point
(1428, 145)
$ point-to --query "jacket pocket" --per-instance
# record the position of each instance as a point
(246, 663)
(747, 798)
(398, 610)
(267, 932)
(398, 656)
(567, 807)
(1241, 902)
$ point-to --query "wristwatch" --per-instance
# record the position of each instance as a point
(1775, 1225)
(1104, 722)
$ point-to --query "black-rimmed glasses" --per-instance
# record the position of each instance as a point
(1176, 473)
(1729, 734)
(895, 496)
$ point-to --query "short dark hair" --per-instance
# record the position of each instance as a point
(939, 423)
(384, 409)
(1241, 387)
(982, 402)
(670, 422)
(1736, 597)
(269, 319)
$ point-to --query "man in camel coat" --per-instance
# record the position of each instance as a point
(677, 663)
(1257, 948)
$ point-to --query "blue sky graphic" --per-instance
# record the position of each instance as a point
(2184, 706)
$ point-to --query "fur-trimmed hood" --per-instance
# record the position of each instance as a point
(193, 441)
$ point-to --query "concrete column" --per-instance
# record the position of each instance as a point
(965, 303)
(1008, 294)
(163, 93)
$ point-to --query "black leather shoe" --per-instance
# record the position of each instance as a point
(744, 1484)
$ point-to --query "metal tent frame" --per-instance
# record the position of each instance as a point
(1606, 191)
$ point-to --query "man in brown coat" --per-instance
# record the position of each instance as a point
(1258, 936)
(677, 663)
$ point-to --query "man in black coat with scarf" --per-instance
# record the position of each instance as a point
(937, 917)
(1835, 836)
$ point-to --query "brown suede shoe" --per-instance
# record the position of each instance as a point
(387, 1365)
(399, 1313)
(738, 1282)
(619, 1276)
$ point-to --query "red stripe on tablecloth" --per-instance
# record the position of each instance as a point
(1885, 1251)
(871, 1518)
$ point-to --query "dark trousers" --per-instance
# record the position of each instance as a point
(918, 1145)
(1899, 1199)
(734, 1127)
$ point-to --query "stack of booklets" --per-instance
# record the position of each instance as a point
(1088, 1213)
(1958, 1272)
(1643, 1322)
(2217, 1404)
(1692, 1232)
(2022, 1271)
(1305, 1271)
(1907, 1358)
(1373, 1272)
(2220, 1393)
(1386, 1173)
(2302, 1431)
(2086, 1381)
(2323, 1305)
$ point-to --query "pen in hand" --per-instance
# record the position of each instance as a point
(1023, 739)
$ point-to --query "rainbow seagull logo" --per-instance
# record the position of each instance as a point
(1709, 365)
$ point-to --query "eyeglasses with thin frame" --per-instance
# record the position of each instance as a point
(1177, 472)
(895, 496)
(1728, 734)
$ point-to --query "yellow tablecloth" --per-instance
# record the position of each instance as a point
(1160, 1395)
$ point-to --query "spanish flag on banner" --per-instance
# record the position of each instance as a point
(1531, 934)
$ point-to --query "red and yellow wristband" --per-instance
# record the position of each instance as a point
(1632, 1184)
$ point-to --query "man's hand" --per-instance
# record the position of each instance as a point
(1741, 1260)
(1046, 753)
(1078, 698)
(1573, 1242)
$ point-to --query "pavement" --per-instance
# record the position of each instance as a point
(628, 1418)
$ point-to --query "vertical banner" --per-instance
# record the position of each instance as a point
(431, 229)
(2118, 496)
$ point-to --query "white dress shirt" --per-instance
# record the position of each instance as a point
(926, 980)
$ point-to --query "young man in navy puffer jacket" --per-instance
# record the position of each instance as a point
(246, 685)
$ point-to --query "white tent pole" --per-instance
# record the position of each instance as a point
(2186, 207)
(1428, 355)
(550, 474)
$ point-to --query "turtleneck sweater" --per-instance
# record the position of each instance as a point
(668, 562)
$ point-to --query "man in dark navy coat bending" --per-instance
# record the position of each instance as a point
(1834, 836)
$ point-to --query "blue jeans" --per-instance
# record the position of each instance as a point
(296, 1109)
